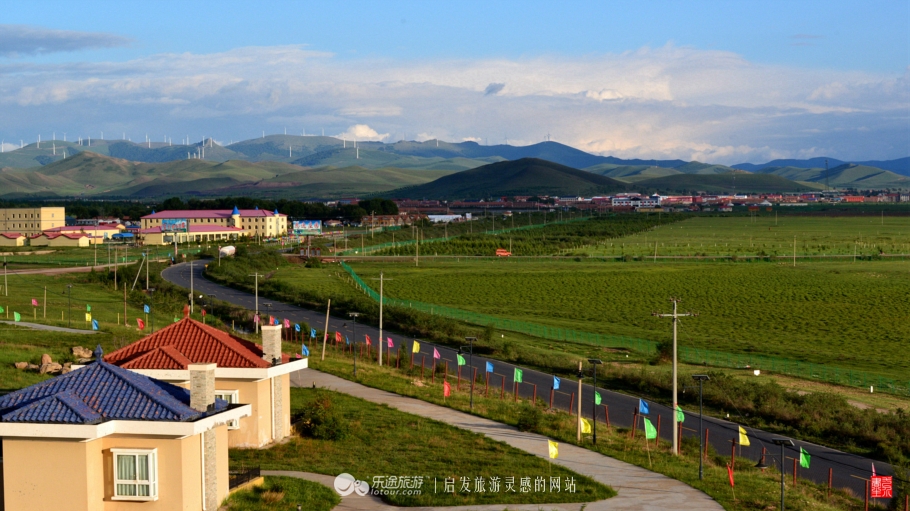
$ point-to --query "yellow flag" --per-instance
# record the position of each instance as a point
(585, 425)
(88, 317)
(416, 347)
(554, 449)
(743, 439)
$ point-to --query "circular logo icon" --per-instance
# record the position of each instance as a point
(345, 484)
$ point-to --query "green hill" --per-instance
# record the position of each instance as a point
(722, 183)
(848, 175)
(697, 167)
(631, 173)
(527, 176)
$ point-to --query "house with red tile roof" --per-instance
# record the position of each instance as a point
(256, 222)
(12, 239)
(60, 239)
(103, 438)
(246, 372)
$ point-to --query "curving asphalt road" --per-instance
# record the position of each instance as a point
(848, 470)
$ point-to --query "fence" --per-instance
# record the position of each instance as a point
(242, 475)
(706, 357)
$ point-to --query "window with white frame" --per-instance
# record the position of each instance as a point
(232, 397)
(135, 474)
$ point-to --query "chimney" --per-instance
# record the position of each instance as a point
(202, 386)
(271, 344)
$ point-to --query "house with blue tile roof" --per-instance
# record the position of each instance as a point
(104, 438)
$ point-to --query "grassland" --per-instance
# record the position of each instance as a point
(764, 234)
(841, 314)
(382, 441)
(283, 494)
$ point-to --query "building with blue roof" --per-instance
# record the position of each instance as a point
(116, 437)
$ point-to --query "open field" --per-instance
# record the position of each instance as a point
(765, 234)
(845, 315)
(283, 494)
(382, 441)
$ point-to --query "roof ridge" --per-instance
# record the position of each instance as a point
(230, 342)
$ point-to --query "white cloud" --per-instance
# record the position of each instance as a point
(472, 139)
(7, 147)
(667, 102)
(22, 40)
(363, 132)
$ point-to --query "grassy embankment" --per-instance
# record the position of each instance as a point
(366, 440)
(283, 494)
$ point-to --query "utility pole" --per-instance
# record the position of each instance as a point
(191, 287)
(5, 284)
(381, 279)
(578, 425)
(675, 315)
(257, 275)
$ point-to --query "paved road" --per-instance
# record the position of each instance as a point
(637, 489)
(38, 326)
(846, 467)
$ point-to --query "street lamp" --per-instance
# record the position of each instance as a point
(701, 379)
(69, 298)
(594, 362)
(782, 442)
(353, 316)
(470, 341)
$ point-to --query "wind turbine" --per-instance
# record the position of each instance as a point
(64, 136)
(39, 141)
(102, 135)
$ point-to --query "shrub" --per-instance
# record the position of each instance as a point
(529, 419)
(321, 421)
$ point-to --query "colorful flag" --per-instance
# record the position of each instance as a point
(176, 319)
(346, 340)
(203, 312)
(186, 313)
(680, 416)
(585, 425)
(255, 317)
(804, 458)
(489, 367)
(554, 449)
(597, 399)
(415, 348)
(145, 308)
(650, 430)
(2, 310)
(305, 350)
(642, 407)
(34, 302)
(435, 354)
(517, 376)
(88, 308)
(369, 341)
(94, 324)
(730, 474)
(337, 336)
(16, 316)
(287, 323)
(391, 344)
(743, 438)
(140, 323)
(446, 389)
(882, 487)
(461, 360)
(88, 317)
(296, 327)
(275, 321)
(555, 383)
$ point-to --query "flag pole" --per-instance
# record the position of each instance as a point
(325, 333)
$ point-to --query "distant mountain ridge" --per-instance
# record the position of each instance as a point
(899, 166)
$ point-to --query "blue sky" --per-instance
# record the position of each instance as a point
(719, 81)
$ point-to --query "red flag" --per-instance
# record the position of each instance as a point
(203, 313)
(730, 474)
(435, 354)
(141, 324)
(369, 341)
(337, 336)
(272, 320)
(446, 389)
(186, 311)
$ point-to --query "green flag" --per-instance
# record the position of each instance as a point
(650, 430)
(680, 416)
(2, 310)
(16, 316)
(88, 308)
(804, 458)
(517, 375)
(460, 360)
(597, 398)
(176, 319)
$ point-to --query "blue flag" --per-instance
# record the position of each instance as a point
(489, 367)
(296, 327)
(642, 407)
(346, 340)
(313, 333)
(145, 308)
(555, 383)
(305, 350)
(94, 324)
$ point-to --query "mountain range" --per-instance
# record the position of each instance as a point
(316, 166)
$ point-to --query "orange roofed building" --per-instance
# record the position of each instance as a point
(246, 373)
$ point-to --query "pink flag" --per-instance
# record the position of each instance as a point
(391, 344)
(256, 318)
(287, 323)
(34, 302)
(369, 341)
(435, 353)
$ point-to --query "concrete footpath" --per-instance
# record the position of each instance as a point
(638, 489)
(38, 326)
